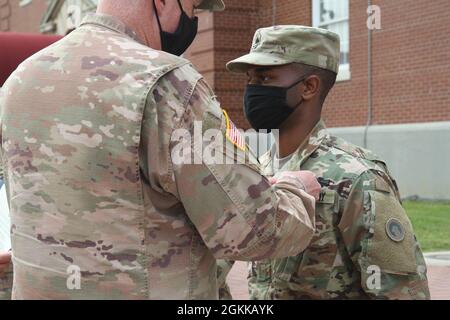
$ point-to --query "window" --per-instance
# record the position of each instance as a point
(333, 15)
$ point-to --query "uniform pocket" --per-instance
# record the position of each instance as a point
(317, 259)
(391, 245)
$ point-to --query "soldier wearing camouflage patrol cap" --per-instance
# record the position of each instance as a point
(101, 205)
(364, 246)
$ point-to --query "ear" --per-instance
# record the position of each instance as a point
(311, 87)
(160, 5)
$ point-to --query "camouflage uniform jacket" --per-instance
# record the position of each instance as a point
(362, 232)
(99, 208)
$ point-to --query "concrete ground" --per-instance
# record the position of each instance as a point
(438, 278)
(439, 274)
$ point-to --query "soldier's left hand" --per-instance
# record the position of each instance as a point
(5, 260)
(307, 178)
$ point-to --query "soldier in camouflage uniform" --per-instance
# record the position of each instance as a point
(99, 208)
(364, 246)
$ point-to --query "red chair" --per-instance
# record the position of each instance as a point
(16, 47)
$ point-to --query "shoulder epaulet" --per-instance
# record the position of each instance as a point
(354, 150)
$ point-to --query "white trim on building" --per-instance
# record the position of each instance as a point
(334, 16)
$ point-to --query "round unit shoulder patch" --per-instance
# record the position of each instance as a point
(395, 230)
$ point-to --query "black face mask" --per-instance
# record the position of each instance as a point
(178, 42)
(266, 107)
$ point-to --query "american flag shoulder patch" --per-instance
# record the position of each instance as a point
(233, 134)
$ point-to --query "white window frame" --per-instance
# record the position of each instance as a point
(344, 69)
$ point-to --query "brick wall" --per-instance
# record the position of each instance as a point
(201, 52)
(412, 62)
(411, 65)
(411, 55)
(16, 18)
(347, 103)
(411, 59)
(234, 29)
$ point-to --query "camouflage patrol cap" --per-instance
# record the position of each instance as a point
(212, 5)
(280, 45)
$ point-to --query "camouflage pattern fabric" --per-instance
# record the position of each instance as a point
(362, 232)
(87, 142)
(223, 269)
(6, 281)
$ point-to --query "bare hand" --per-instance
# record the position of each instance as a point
(307, 179)
(5, 260)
